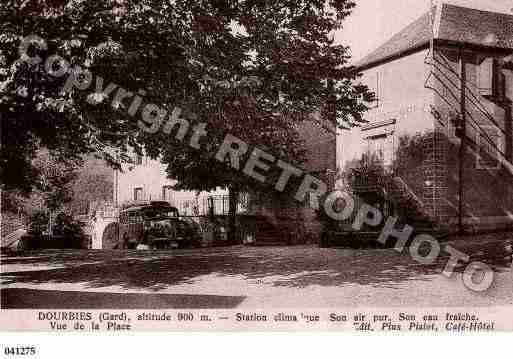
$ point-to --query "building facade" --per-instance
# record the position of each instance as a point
(441, 123)
(146, 180)
(273, 218)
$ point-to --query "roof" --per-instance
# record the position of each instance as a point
(452, 23)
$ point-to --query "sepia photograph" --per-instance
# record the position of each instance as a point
(256, 164)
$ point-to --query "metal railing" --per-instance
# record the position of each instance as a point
(218, 205)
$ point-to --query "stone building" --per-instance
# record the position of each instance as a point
(445, 84)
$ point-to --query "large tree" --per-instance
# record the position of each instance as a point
(251, 68)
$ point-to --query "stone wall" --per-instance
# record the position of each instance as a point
(487, 192)
(435, 175)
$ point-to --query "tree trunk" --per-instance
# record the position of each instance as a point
(50, 224)
(233, 199)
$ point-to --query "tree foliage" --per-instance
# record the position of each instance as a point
(252, 68)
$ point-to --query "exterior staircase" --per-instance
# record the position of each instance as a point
(401, 199)
(400, 190)
(422, 223)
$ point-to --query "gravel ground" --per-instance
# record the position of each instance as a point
(249, 277)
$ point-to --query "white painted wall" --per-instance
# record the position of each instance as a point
(151, 176)
(400, 88)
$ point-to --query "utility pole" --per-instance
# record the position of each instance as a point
(462, 123)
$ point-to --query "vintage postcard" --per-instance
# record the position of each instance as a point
(214, 165)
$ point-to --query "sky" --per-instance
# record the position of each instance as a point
(375, 21)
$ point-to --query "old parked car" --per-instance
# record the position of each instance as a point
(154, 225)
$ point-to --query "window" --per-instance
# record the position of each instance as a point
(138, 194)
(124, 218)
(376, 145)
(167, 193)
(381, 146)
(489, 148)
(154, 212)
(134, 217)
(491, 80)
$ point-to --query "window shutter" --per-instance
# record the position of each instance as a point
(491, 80)
(485, 77)
(138, 194)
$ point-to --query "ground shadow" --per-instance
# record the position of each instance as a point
(20, 298)
(279, 266)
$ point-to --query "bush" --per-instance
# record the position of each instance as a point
(67, 232)
(38, 223)
(65, 225)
